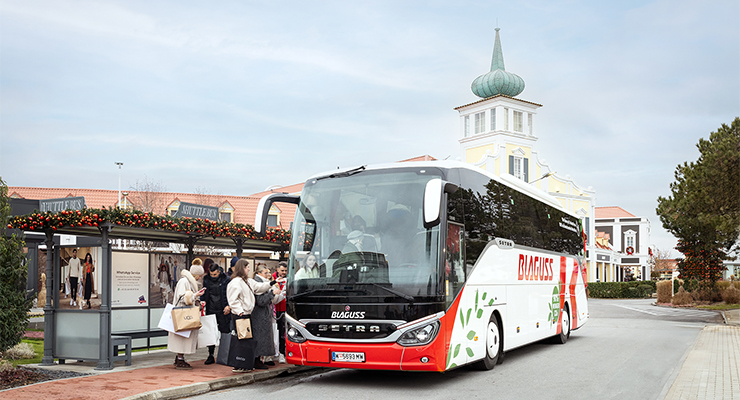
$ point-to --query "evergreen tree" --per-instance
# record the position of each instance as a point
(703, 211)
(13, 271)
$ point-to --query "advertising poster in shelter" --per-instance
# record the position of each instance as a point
(164, 271)
(129, 279)
(80, 278)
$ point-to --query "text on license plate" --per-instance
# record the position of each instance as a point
(347, 356)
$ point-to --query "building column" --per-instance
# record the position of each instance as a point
(48, 358)
(105, 351)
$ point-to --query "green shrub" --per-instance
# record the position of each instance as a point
(689, 285)
(621, 290)
(13, 303)
(707, 291)
(664, 291)
(731, 295)
(682, 297)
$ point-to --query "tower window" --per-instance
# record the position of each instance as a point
(467, 126)
(518, 121)
(506, 119)
(529, 121)
(480, 122)
(493, 119)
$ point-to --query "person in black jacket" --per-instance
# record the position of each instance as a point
(215, 283)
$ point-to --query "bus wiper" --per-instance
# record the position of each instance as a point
(389, 290)
(311, 292)
(344, 173)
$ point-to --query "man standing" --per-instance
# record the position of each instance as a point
(174, 273)
(280, 276)
(74, 275)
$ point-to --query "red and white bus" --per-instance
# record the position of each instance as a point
(427, 266)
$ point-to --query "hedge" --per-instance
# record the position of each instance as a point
(690, 285)
(621, 290)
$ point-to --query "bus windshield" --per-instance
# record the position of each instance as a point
(360, 236)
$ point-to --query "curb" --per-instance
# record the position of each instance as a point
(195, 389)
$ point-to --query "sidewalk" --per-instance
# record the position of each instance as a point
(712, 367)
(150, 376)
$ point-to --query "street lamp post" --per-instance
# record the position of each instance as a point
(544, 176)
(120, 164)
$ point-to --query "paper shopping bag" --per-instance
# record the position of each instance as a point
(223, 348)
(165, 322)
(244, 328)
(208, 333)
(186, 318)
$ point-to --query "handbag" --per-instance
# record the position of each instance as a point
(185, 318)
(223, 349)
(208, 333)
(244, 327)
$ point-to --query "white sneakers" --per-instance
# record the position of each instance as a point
(281, 359)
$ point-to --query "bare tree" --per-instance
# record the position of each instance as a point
(204, 197)
(662, 262)
(148, 196)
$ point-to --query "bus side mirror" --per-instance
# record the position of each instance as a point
(263, 208)
(433, 193)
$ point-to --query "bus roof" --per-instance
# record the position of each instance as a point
(505, 179)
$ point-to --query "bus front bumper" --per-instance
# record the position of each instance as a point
(383, 356)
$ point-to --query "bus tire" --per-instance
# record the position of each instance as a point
(493, 346)
(565, 331)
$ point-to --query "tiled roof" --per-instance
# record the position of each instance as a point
(612, 212)
(499, 95)
(245, 207)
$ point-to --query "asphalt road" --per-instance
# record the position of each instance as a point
(629, 349)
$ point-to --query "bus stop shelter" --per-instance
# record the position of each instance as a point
(87, 334)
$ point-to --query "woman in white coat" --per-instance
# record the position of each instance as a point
(186, 294)
(240, 294)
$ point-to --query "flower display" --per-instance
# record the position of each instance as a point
(50, 221)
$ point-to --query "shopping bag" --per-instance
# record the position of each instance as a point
(208, 333)
(165, 322)
(67, 289)
(185, 318)
(223, 349)
(241, 353)
(244, 328)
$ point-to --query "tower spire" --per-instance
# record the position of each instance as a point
(497, 61)
(498, 81)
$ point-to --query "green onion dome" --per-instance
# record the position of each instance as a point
(498, 81)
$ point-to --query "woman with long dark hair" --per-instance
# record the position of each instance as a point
(88, 267)
(240, 293)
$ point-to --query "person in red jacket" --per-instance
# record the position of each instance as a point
(281, 275)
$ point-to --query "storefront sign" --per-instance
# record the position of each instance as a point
(66, 203)
(197, 211)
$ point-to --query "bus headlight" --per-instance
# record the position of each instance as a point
(294, 335)
(420, 336)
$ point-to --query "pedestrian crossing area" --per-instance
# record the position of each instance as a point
(671, 313)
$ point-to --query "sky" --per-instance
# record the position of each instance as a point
(232, 97)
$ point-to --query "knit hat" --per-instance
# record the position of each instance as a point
(196, 269)
(234, 260)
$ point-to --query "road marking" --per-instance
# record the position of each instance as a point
(635, 309)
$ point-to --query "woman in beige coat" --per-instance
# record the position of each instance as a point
(186, 294)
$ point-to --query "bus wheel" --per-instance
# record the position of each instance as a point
(565, 331)
(493, 346)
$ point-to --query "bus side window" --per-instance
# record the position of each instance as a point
(454, 261)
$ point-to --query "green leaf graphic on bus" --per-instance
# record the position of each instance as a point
(554, 306)
(454, 350)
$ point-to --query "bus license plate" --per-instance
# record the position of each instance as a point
(347, 357)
